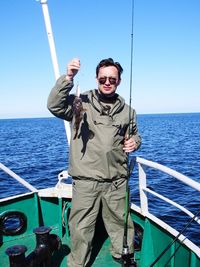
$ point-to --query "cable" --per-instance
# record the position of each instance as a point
(175, 239)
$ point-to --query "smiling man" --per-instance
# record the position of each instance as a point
(98, 164)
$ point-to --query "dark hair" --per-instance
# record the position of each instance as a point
(109, 62)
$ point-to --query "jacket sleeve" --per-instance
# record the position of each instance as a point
(60, 101)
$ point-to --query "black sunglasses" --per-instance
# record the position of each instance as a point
(103, 80)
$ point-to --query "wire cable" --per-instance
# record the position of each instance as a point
(174, 240)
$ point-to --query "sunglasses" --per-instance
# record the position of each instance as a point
(103, 80)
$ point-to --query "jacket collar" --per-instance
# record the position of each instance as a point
(98, 101)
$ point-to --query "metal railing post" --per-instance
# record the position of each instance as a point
(142, 187)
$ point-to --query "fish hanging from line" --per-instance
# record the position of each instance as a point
(78, 111)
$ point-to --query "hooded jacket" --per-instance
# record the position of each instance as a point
(96, 150)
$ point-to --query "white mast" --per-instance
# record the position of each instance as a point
(53, 54)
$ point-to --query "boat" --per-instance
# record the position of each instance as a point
(34, 225)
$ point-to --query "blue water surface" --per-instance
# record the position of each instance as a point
(37, 150)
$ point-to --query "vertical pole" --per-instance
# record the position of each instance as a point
(53, 53)
(142, 186)
(50, 38)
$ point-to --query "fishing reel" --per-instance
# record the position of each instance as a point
(127, 258)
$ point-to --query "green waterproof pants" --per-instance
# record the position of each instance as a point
(86, 200)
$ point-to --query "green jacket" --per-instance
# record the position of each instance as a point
(96, 153)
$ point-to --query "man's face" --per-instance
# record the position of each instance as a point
(108, 80)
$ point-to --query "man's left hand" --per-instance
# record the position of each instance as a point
(129, 145)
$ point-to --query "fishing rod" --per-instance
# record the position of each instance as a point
(53, 53)
(174, 240)
(126, 256)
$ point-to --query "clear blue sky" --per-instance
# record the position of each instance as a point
(166, 62)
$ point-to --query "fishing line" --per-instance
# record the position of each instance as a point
(174, 240)
(125, 250)
(131, 64)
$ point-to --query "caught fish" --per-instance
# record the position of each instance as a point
(78, 111)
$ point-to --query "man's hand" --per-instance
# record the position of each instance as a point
(129, 145)
(72, 68)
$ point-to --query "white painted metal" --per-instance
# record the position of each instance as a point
(53, 54)
(169, 171)
(64, 191)
(15, 197)
(143, 186)
(172, 203)
(50, 38)
(143, 209)
(18, 178)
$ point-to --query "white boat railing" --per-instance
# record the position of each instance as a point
(143, 188)
(18, 178)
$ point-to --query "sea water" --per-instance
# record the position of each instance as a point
(36, 149)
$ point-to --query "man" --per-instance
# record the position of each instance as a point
(100, 141)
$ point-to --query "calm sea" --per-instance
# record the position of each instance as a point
(37, 150)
